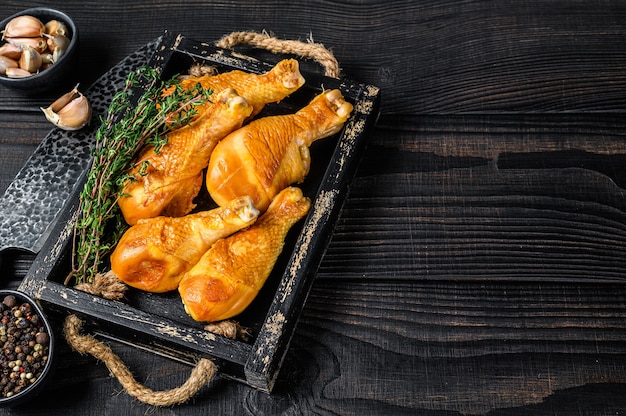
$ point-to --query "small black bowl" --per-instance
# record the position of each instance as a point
(61, 73)
(41, 375)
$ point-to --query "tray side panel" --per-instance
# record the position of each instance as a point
(271, 345)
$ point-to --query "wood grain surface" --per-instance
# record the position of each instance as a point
(478, 266)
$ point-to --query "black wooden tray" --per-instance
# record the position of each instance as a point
(157, 322)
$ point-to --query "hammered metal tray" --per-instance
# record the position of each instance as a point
(157, 322)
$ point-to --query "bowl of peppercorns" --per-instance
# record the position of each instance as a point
(26, 344)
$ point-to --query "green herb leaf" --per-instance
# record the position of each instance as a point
(125, 130)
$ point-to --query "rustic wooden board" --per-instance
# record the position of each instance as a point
(462, 82)
(448, 56)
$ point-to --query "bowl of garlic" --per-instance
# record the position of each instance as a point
(38, 50)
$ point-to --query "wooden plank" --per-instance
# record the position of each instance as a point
(453, 347)
(427, 57)
(399, 340)
(487, 198)
(405, 348)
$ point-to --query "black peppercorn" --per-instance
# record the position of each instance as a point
(25, 308)
(9, 301)
(42, 338)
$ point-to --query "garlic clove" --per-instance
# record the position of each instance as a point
(57, 42)
(57, 54)
(64, 100)
(75, 115)
(5, 63)
(17, 73)
(47, 58)
(23, 27)
(71, 111)
(37, 43)
(54, 27)
(30, 59)
(10, 51)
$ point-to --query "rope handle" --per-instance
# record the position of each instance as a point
(204, 371)
(108, 286)
(308, 49)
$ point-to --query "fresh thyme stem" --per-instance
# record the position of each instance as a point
(126, 129)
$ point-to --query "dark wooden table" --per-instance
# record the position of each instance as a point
(479, 264)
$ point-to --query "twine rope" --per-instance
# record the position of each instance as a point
(106, 285)
(204, 371)
(228, 329)
(308, 49)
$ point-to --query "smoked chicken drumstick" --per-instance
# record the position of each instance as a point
(270, 153)
(165, 183)
(173, 177)
(153, 254)
(258, 90)
(227, 278)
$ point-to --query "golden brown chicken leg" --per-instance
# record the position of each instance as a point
(153, 254)
(165, 183)
(268, 154)
(258, 90)
(228, 277)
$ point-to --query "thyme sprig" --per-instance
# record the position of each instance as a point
(126, 129)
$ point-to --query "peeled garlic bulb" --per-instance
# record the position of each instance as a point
(71, 111)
